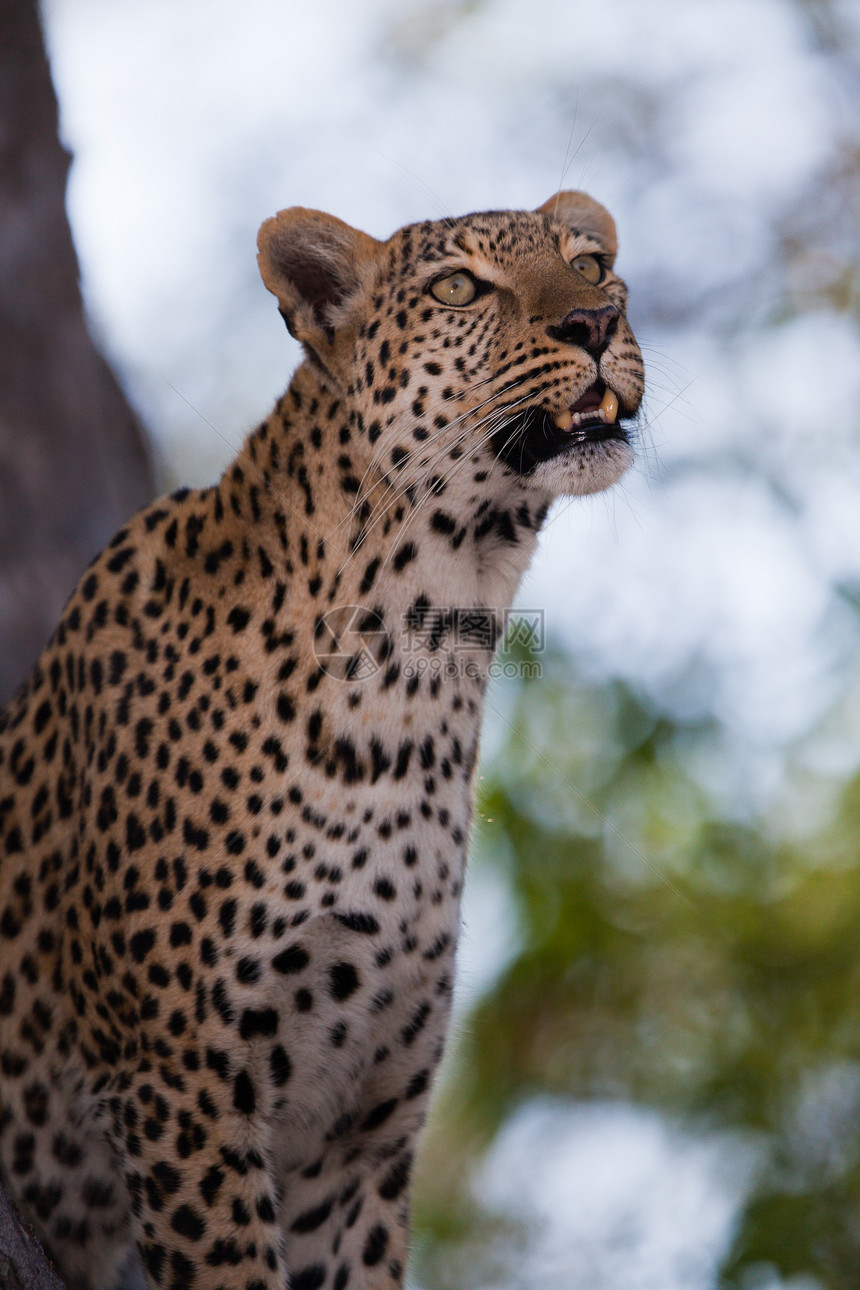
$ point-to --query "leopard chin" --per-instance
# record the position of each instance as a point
(587, 466)
(582, 449)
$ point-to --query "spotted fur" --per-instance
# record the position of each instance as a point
(235, 792)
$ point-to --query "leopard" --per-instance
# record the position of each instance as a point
(236, 789)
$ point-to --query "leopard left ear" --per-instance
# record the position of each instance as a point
(584, 215)
(314, 264)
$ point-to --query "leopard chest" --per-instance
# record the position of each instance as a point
(343, 995)
(322, 911)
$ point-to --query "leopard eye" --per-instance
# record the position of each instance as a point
(590, 267)
(457, 289)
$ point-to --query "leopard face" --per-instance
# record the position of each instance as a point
(498, 346)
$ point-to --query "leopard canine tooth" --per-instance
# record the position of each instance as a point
(564, 420)
(609, 405)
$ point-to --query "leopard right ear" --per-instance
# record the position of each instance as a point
(584, 215)
(314, 264)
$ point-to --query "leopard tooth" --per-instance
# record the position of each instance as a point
(609, 405)
(564, 420)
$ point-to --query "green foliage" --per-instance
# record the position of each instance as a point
(670, 957)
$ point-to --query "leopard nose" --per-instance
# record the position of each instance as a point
(591, 329)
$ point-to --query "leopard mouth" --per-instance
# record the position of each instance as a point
(539, 435)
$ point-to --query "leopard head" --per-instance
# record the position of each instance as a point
(482, 353)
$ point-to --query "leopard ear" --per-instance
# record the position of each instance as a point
(313, 263)
(584, 215)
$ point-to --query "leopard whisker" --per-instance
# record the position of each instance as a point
(363, 494)
(496, 421)
(421, 466)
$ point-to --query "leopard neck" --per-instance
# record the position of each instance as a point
(354, 534)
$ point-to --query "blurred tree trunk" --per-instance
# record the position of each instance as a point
(23, 1266)
(73, 462)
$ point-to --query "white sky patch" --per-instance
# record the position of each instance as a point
(616, 1196)
(750, 129)
(801, 380)
(489, 936)
(716, 578)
